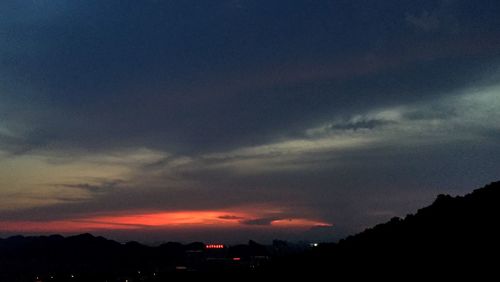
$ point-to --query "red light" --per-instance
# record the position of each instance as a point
(214, 246)
(236, 259)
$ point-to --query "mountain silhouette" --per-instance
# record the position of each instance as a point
(89, 258)
(453, 235)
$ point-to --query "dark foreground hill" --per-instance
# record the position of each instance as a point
(451, 236)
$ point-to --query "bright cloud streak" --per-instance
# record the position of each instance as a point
(159, 220)
(462, 116)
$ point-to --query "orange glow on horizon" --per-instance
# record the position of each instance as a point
(158, 220)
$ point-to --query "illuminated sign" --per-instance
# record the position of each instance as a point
(214, 246)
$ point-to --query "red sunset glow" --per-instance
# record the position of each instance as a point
(171, 219)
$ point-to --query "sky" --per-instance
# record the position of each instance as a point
(230, 120)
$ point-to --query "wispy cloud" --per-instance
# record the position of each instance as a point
(440, 18)
(468, 116)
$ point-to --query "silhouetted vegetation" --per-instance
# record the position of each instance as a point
(451, 236)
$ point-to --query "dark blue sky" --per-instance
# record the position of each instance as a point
(338, 112)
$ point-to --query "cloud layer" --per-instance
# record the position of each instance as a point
(269, 115)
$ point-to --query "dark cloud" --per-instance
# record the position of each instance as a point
(152, 73)
(230, 217)
(358, 124)
(106, 186)
(266, 221)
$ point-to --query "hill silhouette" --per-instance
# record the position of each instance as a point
(452, 235)
(89, 258)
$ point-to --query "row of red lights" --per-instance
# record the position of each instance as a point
(214, 246)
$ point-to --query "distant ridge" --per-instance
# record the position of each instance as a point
(453, 235)
(86, 257)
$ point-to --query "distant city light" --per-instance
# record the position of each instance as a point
(214, 246)
(314, 244)
(236, 259)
